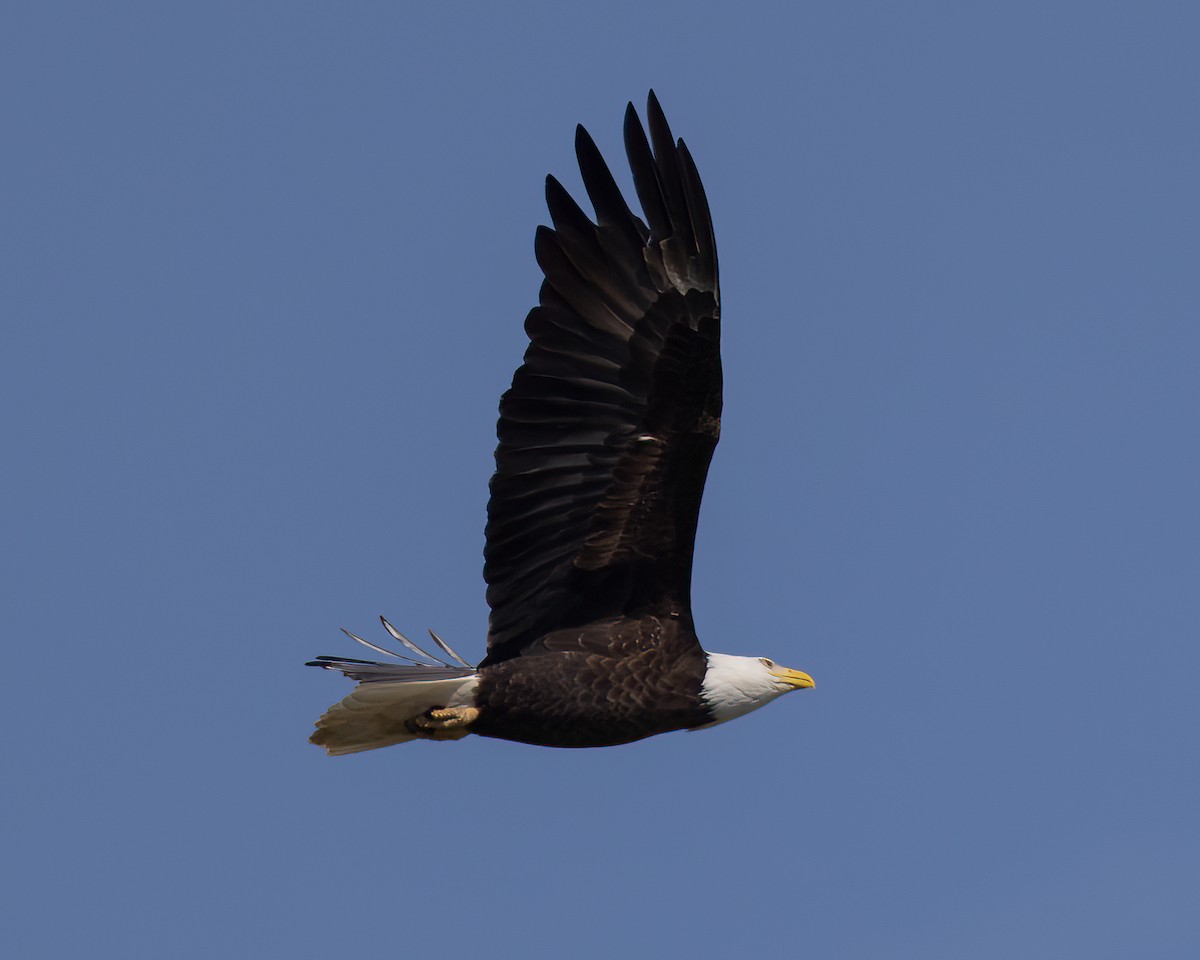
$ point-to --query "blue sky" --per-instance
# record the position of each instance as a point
(265, 269)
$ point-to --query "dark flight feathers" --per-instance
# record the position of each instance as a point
(606, 434)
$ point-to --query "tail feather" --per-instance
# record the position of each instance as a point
(389, 696)
(371, 671)
(378, 711)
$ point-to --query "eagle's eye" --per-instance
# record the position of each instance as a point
(766, 663)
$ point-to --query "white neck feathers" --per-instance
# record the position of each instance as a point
(733, 686)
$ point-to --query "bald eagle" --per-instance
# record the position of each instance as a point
(604, 442)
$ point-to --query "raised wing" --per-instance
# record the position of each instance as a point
(610, 424)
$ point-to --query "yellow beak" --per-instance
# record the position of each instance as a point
(796, 678)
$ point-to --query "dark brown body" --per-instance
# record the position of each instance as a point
(596, 686)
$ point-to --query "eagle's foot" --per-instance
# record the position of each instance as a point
(444, 723)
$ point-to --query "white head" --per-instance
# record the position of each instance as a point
(736, 685)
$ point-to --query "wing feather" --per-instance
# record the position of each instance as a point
(607, 431)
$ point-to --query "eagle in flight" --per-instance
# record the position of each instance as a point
(604, 443)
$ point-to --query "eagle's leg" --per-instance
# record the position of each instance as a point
(444, 723)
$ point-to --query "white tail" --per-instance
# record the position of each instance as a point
(389, 696)
(378, 713)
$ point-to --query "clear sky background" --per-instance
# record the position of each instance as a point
(265, 267)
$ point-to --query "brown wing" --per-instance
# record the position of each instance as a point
(610, 424)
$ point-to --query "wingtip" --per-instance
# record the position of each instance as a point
(632, 120)
(583, 141)
(657, 119)
(556, 193)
